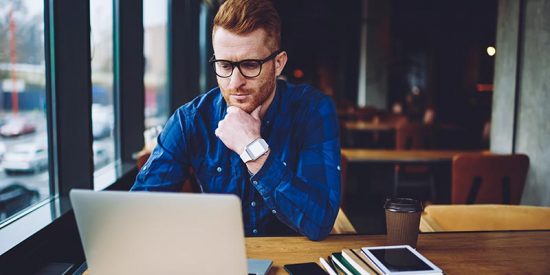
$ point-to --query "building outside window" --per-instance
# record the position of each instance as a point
(24, 177)
(101, 21)
(155, 18)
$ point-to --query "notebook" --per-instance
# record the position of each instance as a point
(160, 233)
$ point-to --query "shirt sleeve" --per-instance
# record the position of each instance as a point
(167, 167)
(307, 199)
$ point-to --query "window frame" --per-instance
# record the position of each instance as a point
(50, 233)
(69, 120)
(183, 52)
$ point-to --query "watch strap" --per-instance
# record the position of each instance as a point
(245, 156)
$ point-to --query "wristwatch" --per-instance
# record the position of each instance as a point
(254, 150)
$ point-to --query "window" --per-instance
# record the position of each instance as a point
(101, 21)
(56, 45)
(155, 16)
(24, 177)
(56, 70)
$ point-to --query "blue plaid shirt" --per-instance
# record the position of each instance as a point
(298, 187)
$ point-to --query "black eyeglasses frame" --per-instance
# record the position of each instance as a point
(237, 64)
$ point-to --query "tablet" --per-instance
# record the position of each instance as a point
(400, 259)
(258, 266)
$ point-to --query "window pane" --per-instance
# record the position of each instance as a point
(24, 178)
(101, 20)
(155, 14)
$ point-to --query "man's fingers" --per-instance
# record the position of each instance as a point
(232, 109)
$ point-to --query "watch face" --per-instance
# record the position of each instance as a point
(256, 149)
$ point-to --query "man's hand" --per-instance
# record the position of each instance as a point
(238, 128)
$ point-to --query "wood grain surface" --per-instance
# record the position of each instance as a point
(526, 252)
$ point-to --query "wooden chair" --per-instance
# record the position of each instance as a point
(189, 186)
(478, 178)
(413, 135)
(343, 180)
(342, 225)
(366, 113)
(409, 136)
(484, 217)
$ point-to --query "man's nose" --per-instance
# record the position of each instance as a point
(237, 79)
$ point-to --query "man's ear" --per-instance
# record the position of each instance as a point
(280, 62)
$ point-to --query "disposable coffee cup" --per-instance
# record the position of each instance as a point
(402, 221)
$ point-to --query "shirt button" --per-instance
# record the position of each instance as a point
(274, 211)
(267, 122)
(255, 231)
(284, 163)
(338, 167)
(255, 182)
(219, 169)
(253, 203)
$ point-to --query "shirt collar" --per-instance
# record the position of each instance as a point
(273, 109)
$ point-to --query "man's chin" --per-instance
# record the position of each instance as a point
(247, 107)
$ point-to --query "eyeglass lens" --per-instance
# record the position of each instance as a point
(249, 68)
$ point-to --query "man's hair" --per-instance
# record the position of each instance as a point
(246, 16)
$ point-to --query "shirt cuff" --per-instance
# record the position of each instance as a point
(269, 177)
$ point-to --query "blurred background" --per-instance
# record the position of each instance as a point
(385, 63)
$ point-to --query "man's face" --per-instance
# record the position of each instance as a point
(237, 90)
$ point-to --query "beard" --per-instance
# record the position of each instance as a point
(256, 96)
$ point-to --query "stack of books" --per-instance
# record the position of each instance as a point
(400, 259)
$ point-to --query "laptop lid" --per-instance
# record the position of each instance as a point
(160, 233)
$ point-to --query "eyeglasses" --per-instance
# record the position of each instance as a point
(249, 68)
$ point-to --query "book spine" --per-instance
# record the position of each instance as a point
(343, 264)
(327, 267)
(357, 263)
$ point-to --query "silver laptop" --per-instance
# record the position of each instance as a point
(160, 233)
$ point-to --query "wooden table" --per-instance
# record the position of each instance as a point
(368, 126)
(403, 156)
(526, 252)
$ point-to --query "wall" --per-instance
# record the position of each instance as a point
(502, 119)
(530, 96)
(378, 52)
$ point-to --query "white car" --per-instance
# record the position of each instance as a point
(17, 127)
(2, 150)
(101, 156)
(28, 157)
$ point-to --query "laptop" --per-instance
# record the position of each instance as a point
(160, 233)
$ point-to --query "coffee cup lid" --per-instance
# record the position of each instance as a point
(403, 205)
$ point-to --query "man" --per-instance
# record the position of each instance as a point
(273, 144)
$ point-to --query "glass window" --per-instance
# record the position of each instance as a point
(155, 16)
(24, 178)
(101, 21)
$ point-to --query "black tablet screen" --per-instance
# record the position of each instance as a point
(399, 259)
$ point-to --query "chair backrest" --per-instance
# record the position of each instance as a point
(343, 179)
(481, 178)
(393, 118)
(366, 113)
(413, 136)
(484, 217)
